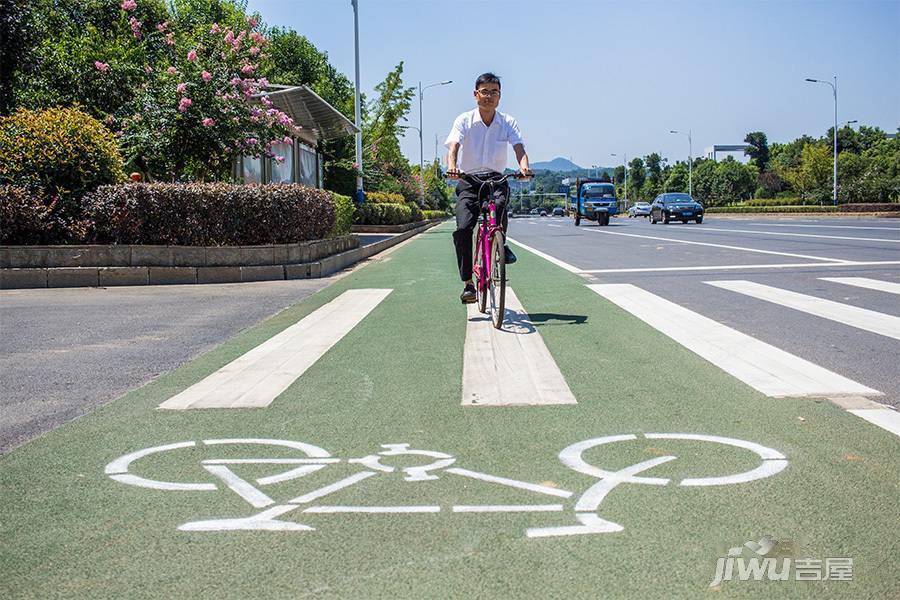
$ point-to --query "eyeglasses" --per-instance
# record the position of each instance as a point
(488, 93)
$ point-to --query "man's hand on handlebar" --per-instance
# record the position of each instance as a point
(524, 174)
(453, 174)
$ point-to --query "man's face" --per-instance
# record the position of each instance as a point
(487, 95)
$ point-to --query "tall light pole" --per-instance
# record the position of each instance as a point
(690, 160)
(625, 163)
(834, 90)
(360, 196)
(421, 152)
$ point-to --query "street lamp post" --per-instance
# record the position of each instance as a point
(625, 164)
(360, 197)
(834, 91)
(421, 152)
(690, 160)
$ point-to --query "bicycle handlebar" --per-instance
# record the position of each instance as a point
(492, 178)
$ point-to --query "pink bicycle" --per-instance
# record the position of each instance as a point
(489, 258)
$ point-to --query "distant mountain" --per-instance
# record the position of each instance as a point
(559, 164)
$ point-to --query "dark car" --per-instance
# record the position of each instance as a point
(675, 205)
(559, 212)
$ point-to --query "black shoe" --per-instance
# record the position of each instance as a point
(468, 295)
(510, 257)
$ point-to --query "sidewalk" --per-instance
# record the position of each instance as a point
(486, 501)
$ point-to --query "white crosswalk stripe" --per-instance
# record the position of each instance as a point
(259, 376)
(854, 316)
(768, 369)
(865, 282)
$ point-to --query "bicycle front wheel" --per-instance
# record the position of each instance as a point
(497, 282)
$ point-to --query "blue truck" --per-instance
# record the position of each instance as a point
(593, 199)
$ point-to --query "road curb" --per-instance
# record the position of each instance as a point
(62, 277)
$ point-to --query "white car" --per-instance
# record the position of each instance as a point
(639, 209)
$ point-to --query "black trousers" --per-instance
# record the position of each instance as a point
(468, 209)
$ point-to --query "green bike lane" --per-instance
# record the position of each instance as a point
(70, 530)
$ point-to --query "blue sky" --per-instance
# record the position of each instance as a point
(588, 78)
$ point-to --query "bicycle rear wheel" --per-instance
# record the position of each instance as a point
(497, 283)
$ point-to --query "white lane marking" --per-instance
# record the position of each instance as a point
(373, 509)
(765, 368)
(555, 261)
(270, 461)
(897, 229)
(333, 487)
(551, 225)
(259, 376)
(522, 485)
(264, 521)
(512, 366)
(865, 282)
(240, 487)
(736, 267)
(883, 417)
(790, 234)
(741, 248)
(475, 508)
(861, 318)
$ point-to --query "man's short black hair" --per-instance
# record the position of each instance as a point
(486, 78)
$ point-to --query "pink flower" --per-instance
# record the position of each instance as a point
(135, 27)
(192, 56)
(254, 50)
(206, 75)
(252, 21)
(279, 159)
(161, 27)
(148, 69)
(229, 37)
(235, 81)
(251, 141)
(247, 69)
(181, 88)
(184, 104)
(215, 28)
(207, 122)
(287, 139)
(101, 66)
(128, 5)
(263, 82)
(170, 39)
(171, 70)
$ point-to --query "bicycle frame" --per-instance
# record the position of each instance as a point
(481, 263)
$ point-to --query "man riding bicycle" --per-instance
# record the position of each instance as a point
(482, 135)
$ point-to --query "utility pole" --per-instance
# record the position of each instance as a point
(834, 188)
(360, 195)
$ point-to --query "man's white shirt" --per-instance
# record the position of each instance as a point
(483, 148)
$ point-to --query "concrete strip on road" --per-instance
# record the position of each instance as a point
(865, 282)
(769, 370)
(741, 248)
(883, 417)
(259, 376)
(733, 267)
(512, 366)
(861, 318)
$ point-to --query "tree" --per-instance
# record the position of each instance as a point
(677, 178)
(733, 181)
(758, 150)
(636, 177)
(17, 32)
(654, 182)
(811, 179)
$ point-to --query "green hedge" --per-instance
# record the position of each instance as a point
(435, 214)
(372, 213)
(384, 198)
(772, 202)
(208, 214)
(771, 209)
(344, 213)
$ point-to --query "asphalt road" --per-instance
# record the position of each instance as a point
(633, 251)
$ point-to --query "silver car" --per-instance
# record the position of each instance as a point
(639, 209)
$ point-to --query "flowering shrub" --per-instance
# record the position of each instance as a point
(209, 214)
(202, 103)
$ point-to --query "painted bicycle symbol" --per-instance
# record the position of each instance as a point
(434, 466)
